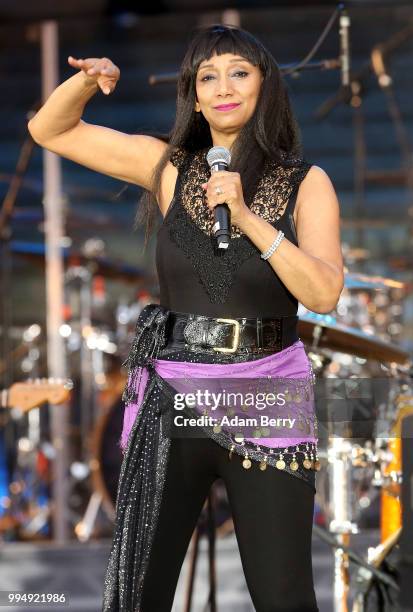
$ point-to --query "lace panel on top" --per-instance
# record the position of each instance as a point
(190, 228)
(270, 200)
(178, 157)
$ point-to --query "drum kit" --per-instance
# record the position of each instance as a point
(351, 348)
(97, 331)
(365, 392)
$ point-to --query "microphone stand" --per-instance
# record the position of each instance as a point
(6, 212)
(210, 524)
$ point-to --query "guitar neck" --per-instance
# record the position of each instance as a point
(31, 394)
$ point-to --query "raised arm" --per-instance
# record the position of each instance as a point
(58, 127)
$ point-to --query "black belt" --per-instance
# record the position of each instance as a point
(234, 336)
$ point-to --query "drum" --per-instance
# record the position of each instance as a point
(391, 512)
(107, 460)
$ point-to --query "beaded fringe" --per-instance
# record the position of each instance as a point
(300, 460)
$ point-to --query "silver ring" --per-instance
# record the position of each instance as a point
(218, 190)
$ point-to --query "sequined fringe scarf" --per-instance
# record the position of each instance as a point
(150, 337)
(138, 500)
(144, 465)
(142, 472)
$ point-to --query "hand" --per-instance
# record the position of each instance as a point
(99, 70)
(231, 187)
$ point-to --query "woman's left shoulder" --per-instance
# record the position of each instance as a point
(298, 168)
(315, 173)
(315, 180)
(305, 175)
(316, 188)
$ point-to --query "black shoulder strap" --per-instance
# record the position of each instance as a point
(297, 177)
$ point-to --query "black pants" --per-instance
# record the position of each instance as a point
(273, 516)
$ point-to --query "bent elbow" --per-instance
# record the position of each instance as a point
(324, 307)
(330, 300)
(32, 131)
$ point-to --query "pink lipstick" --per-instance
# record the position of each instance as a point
(226, 107)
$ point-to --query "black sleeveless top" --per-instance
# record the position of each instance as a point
(196, 277)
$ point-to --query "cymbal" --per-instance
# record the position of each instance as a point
(355, 253)
(117, 270)
(364, 281)
(344, 339)
(74, 220)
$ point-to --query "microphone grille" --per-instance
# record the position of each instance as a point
(218, 154)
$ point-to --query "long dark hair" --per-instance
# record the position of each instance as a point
(272, 133)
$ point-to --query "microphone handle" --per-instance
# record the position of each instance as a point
(222, 216)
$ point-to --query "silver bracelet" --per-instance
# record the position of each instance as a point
(274, 246)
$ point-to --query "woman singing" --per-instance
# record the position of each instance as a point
(224, 315)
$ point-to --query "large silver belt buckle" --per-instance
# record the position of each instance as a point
(235, 340)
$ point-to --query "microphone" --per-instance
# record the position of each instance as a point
(218, 159)
(344, 46)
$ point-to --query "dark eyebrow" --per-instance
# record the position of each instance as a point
(237, 59)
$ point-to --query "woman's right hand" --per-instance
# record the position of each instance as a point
(99, 70)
